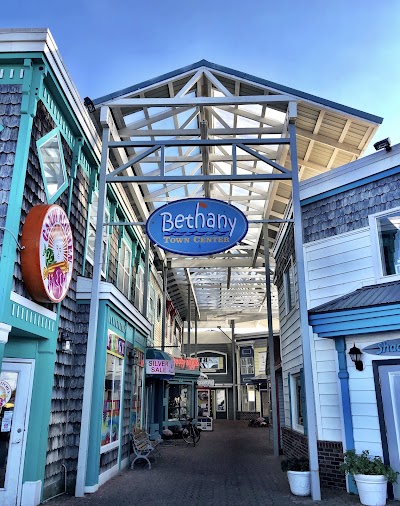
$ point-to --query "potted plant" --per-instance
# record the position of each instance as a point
(371, 476)
(298, 473)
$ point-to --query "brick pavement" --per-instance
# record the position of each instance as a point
(233, 465)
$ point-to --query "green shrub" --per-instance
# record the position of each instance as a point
(295, 464)
(365, 464)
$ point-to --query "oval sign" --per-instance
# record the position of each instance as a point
(197, 227)
(48, 254)
(391, 347)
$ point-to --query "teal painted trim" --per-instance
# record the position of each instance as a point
(57, 116)
(40, 143)
(247, 77)
(76, 155)
(356, 313)
(290, 399)
(12, 74)
(92, 184)
(93, 462)
(32, 83)
(83, 162)
(356, 321)
(31, 322)
(303, 401)
(343, 376)
(122, 405)
(351, 186)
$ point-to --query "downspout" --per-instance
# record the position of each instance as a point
(343, 375)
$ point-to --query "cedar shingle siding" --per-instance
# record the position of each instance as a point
(10, 112)
(350, 209)
(66, 403)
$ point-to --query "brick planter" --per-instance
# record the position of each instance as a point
(330, 456)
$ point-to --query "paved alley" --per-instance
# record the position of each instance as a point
(233, 465)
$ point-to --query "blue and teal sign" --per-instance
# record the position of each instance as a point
(195, 227)
(387, 348)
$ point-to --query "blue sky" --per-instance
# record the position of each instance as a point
(343, 50)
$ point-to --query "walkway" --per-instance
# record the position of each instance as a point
(233, 465)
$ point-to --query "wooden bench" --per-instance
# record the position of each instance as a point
(143, 446)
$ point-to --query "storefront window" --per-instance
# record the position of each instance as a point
(112, 399)
(137, 395)
(179, 402)
(221, 400)
(248, 398)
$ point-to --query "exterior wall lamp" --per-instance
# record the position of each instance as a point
(66, 342)
(355, 355)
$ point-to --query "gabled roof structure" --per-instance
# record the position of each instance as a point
(210, 102)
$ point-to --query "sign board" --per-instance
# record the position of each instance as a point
(115, 344)
(191, 364)
(384, 348)
(5, 392)
(48, 255)
(205, 383)
(196, 227)
(160, 367)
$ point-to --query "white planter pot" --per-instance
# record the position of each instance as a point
(299, 482)
(372, 489)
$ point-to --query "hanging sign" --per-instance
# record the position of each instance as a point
(48, 254)
(385, 348)
(160, 367)
(196, 227)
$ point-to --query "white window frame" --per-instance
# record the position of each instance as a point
(247, 365)
(126, 270)
(139, 295)
(294, 401)
(376, 249)
(290, 302)
(151, 305)
(92, 230)
(41, 143)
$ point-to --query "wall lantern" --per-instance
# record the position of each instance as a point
(66, 342)
(355, 355)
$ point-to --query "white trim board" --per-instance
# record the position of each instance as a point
(350, 173)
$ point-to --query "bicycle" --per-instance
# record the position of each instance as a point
(190, 433)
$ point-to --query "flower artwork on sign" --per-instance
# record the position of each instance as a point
(197, 227)
(47, 257)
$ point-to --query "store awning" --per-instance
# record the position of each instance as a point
(155, 354)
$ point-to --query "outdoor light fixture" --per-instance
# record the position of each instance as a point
(89, 104)
(66, 342)
(384, 143)
(355, 355)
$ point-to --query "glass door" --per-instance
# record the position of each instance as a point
(15, 390)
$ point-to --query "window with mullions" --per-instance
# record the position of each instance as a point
(92, 233)
(289, 286)
(124, 269)
(246, 365)
(52, 164)
(385, 228)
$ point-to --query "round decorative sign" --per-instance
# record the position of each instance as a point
(5, 392)
(196, 227)
(48, 256)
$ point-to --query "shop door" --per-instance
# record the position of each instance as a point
(390, 387)
(15, 389)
